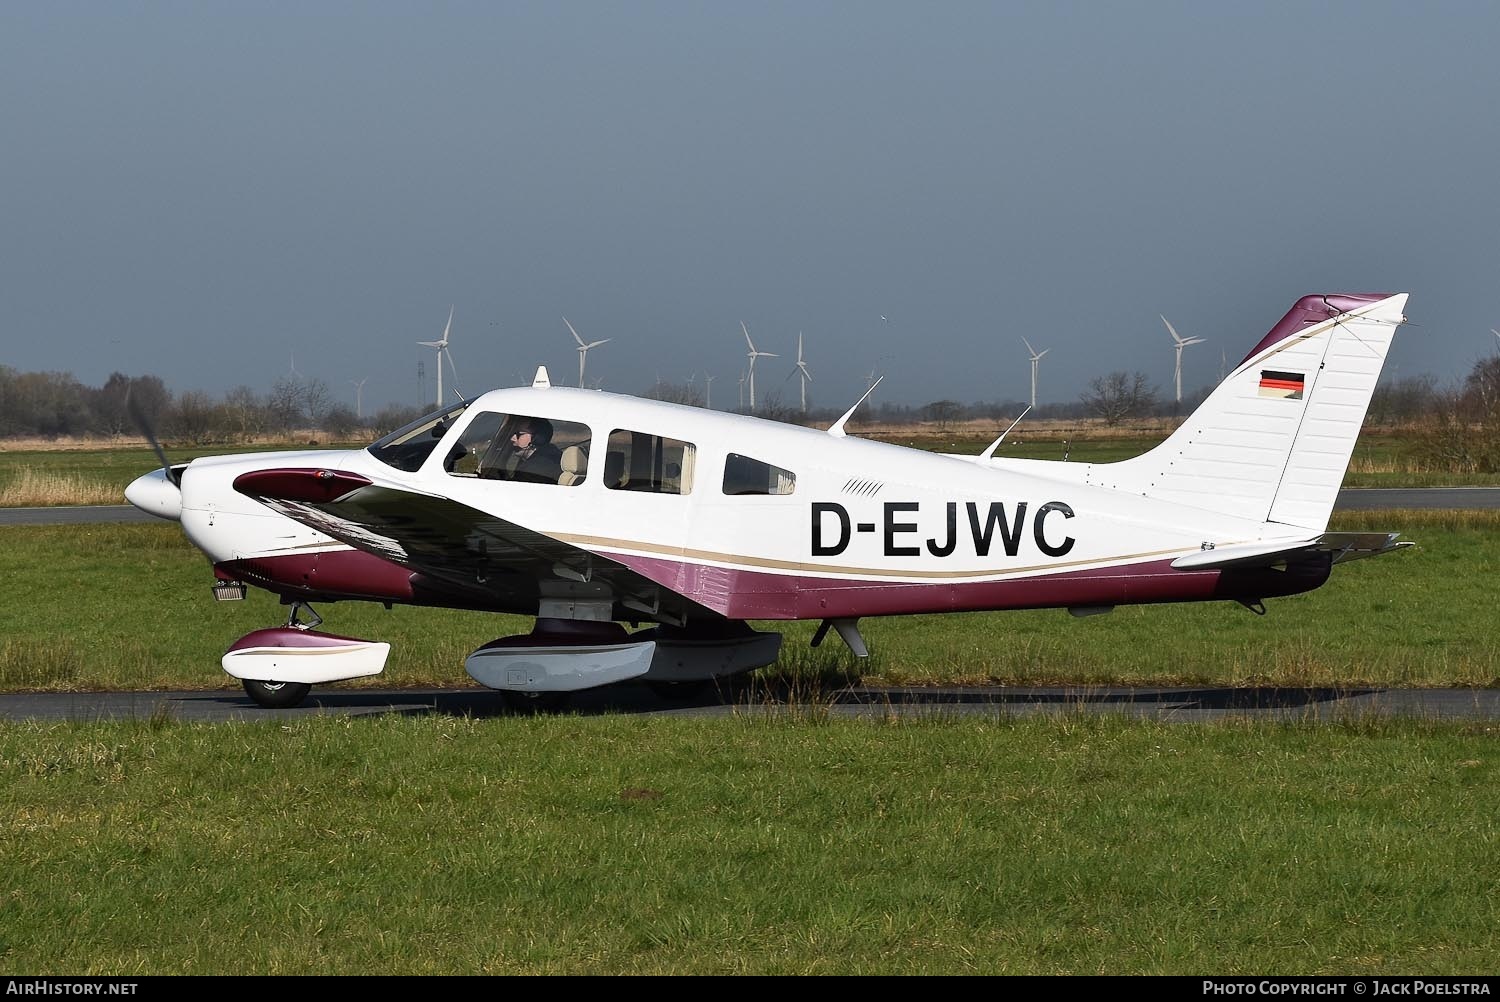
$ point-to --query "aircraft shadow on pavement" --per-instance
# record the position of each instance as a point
(639, 699)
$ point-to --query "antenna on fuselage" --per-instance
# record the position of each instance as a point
(837, 431)
(541, 381)
(990, 452)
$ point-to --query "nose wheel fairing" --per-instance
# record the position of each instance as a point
(292, 654)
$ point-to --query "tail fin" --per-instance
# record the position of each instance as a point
(1272, 442)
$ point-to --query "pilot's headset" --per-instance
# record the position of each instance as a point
(541, 431)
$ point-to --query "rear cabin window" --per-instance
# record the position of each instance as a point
(637, 461)
(521, 448)
(743, 475)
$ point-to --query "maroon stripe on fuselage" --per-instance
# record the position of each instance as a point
(748, 594)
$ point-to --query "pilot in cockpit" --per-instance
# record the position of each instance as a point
(529, 455)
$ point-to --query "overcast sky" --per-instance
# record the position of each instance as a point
(200, 190)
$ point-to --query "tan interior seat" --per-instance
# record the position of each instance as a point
(575, 466)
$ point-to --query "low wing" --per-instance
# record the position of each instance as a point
(1344, 546)
(452, 543)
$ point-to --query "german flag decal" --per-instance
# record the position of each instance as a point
(1286, 385)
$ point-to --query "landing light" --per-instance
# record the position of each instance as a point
(228, 591)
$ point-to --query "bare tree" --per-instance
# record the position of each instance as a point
(1118, 396)
(341, 422)
(244, 412)
(943, 413)
(284, 405)
(316, 400)
(1464, 434)
(194, 417)
(1402, 400)
(147, 395)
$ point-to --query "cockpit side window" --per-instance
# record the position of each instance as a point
(523, 448)
(639, 461)
(743, 475)
(408, 447)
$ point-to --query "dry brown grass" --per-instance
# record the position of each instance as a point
(31, 489)
(72, 444)
(1059, 430)
(65, 443)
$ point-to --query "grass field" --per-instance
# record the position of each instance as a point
(798, 845)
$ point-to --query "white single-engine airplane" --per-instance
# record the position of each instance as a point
(589, 510)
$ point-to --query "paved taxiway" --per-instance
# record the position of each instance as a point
(1175, 704)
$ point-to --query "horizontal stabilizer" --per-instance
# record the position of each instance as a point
(1344, 546)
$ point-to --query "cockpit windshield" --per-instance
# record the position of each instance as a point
(407, 448)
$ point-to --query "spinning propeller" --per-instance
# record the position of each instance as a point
(144, 426)
(160, 491)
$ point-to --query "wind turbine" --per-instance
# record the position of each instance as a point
(742, 390)
(359, 396)
(753, 356)
(1036, 356)
(1497, 335)
(442, 349)
(1181, 342)
(583, 349)
(801, 371)
(708, 391)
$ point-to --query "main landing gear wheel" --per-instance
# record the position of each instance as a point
(276, 695)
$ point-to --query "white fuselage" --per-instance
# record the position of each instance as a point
(855, 514)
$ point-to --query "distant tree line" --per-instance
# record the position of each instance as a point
(1459, 428)
(56, 405)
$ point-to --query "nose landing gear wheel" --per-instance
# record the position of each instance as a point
(276, 695)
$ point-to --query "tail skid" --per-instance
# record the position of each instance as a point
(1272, 442)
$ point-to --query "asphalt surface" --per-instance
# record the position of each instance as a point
(1183, 705)
(1349, 500)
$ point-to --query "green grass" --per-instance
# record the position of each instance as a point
(128, 606)
(787, 841)
(753, 845)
